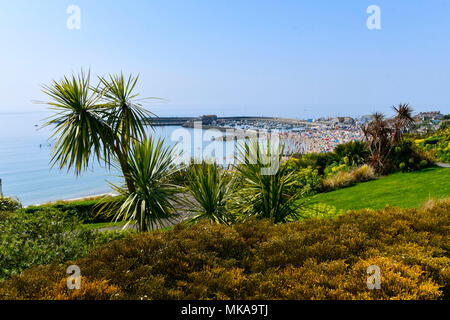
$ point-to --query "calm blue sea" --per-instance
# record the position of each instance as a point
(25, 170)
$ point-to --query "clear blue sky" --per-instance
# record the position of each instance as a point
(282, 58)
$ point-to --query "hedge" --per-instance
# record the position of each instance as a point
(311, 259)
(87, 211)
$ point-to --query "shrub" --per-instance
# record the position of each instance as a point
(210, 186)
(28, 240)
(311, 259)
(354, 153)
(266, 183)
(318, 210)
(8, 204)
(91, 290)
(406, 157)
(437, 145)
(87, 211)
(307, 180)
(423, 163)
(347, 178)
(317, 161)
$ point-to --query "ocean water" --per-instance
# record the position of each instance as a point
(25, 154)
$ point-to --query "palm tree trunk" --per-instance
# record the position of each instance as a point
(125, 170)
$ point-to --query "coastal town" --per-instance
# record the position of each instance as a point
(299, 136)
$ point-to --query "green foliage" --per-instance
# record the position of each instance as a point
(8, 204)
(28, 240)
(311, 259)
(95, 122)
(438, 145)
(317, 161)
(87, 211)
(77, 121)
(152, 202)
(355, 152)
(351, 154)
(319, 211)
(266, 183)
(406, 157)
(308, 181)
(181, 173)
(211, 187)
(383, 136)
(444, 124)
(423, 163)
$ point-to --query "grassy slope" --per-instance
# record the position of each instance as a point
(405, 190)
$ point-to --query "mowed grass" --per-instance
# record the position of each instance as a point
(404, 190)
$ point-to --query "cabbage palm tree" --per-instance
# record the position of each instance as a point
(151, 203)
(95, 122)
(383, 135)
(264, 192)
(402, 121)
(210, 186)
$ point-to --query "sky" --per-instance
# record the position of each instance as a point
(236, 57)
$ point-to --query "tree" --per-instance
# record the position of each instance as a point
(383, 135)
(211, 187)
(402, 121)
(263, 192)
(151, 203)
(95, 122)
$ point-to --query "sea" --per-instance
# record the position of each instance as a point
(26, 171)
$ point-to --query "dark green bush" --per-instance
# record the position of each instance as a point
(317, 161)
(405, 157)
(312, 259)
(356, 152)
(432, 140)
(352, 153)
(28, 240)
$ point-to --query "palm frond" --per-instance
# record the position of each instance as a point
(264, 193)
(128, 117)
(78, 123)
(152, 203)
(211, 187)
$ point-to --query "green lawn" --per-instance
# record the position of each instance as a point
(405, 190)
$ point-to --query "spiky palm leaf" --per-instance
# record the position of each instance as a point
(99, 121)
(402, 121)
(152, 202)
(127, 116)
(264, 192)
(79, 123)
(210, 186)
(404, 114)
